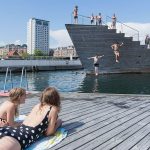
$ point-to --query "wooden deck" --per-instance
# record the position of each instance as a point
(102, 121)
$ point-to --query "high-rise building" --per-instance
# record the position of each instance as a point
(38, 36)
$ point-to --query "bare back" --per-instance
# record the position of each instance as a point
(36, 115)
(115, 47)
(7, 108)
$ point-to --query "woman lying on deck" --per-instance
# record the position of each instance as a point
(9, 109)
(43, 120)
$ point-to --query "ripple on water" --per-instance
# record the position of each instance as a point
(77, 81)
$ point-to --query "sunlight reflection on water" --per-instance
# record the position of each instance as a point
(78, 81)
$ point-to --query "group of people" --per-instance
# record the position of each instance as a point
(96, 58)
(97, 20)
(42, 120)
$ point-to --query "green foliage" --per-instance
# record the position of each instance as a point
(25, 55)
(38, 52)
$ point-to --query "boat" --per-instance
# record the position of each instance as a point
(90, 40)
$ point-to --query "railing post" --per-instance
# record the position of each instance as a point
(106, 19)
(138, 36)
(71, 18)
(11, 78)
(21, 76)
(6, 79)
(26, 79)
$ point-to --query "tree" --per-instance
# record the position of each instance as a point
(25, 55)
(38, 52)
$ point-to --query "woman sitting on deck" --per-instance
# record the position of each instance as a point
(44, 118)
(9, 109)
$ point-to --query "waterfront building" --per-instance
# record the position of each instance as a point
(38, 36)
(12, 47)
(65, 52)
(14, 54)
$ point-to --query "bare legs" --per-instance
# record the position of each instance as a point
(117, 56)
(75, 20)
(9, 143)
(96, 71)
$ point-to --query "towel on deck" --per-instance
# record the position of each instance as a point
(45, 143)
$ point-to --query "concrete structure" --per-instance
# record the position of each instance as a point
(90, 40)
(40, 65)
(100, 121)
(38, 36)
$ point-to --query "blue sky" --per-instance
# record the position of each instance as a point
(14, 15)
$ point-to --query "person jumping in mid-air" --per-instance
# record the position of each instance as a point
(96, 63)
(116, 47)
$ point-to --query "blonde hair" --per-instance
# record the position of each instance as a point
(50, 96)
(15, 95)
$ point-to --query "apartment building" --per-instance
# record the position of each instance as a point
(38, 36)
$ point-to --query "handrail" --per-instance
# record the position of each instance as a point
(83, 16)
(87, 17)
(8, 70)
(24, 74)
(126, 26)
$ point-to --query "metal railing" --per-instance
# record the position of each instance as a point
(82, 19)
(9, 73)
(123, 28)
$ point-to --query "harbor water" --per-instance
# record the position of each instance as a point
(78, 81)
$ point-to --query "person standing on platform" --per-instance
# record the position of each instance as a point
(116, 47)
(92, 19)
(99, 19)
(75, 14)
(96, 20)
(114, 19)
(96, 63)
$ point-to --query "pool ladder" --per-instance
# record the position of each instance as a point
(9, 72)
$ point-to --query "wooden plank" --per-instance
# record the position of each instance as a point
(98, 126)
(103, 133)
(101, 121)
(127, 144)
(122, 136)
(99, 117)
(144, 144)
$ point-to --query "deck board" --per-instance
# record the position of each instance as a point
(101, 121)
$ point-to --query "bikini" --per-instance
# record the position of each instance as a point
(24, 134)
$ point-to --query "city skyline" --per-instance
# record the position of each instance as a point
(15, 14)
